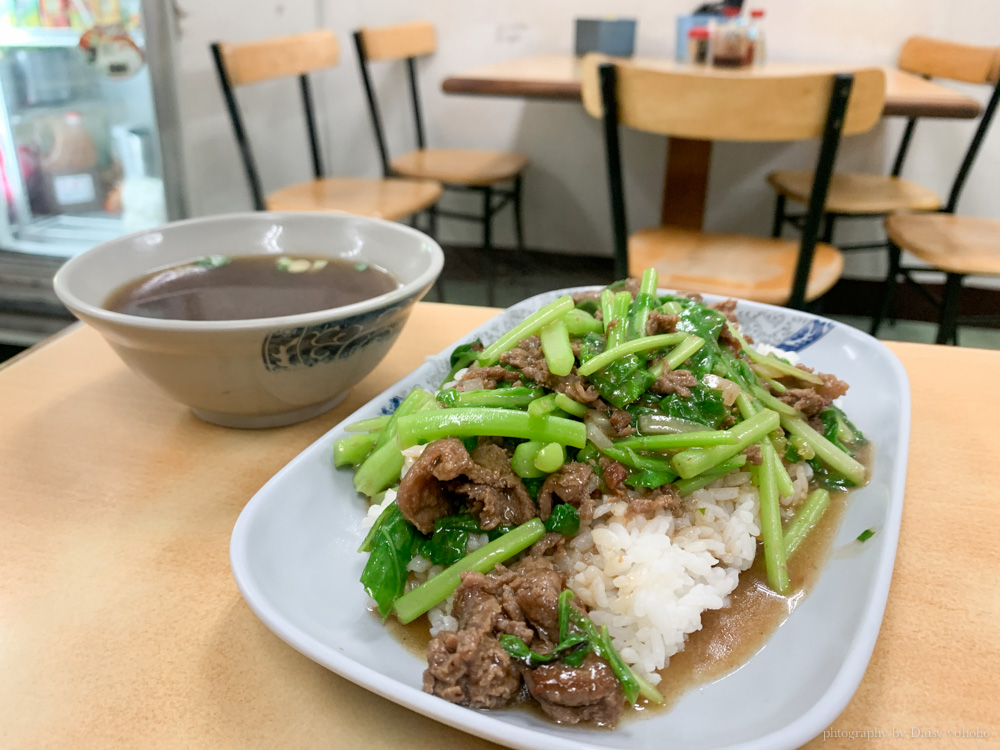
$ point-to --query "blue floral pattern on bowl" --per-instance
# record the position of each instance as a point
(307, 346)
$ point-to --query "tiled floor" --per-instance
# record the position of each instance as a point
(528, 274)
(525, 274)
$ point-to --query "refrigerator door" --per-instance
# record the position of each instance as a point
(89, 136)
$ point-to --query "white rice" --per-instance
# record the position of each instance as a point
(649, 579)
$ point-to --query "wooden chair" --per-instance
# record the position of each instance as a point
(459, 169)
(299, 55)
(957, 245)
(858, 195)
(715, 105)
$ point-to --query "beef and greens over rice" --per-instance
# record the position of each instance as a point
(579, 492)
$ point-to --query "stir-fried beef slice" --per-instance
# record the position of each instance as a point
(570, 695)
(504, 499)
(421, 497)
(754, 455)
(490, 376)
(658, 322)
(593, 295)
(832, 388)
(575, 483)
(550, 544)
(806, 400)
(675, 381)
(726, 337)
(726, 307)
(621, 422)
(528, 357)
(469, 666)
(536, 590)
(812, 400)
(446, 475)
(577, 388)
(660, 498)
(612, 472)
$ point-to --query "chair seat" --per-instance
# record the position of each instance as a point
(461, 166)
(857, 193)
(956, 244)
(382, 199)
(733, 265)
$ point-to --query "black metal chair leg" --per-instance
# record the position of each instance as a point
(432, 222)
(518, 217)
(948, 325)
(488, 246)
(828, 222)
(779, 216)
(888, 288)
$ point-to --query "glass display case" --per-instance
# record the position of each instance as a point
(89, 137)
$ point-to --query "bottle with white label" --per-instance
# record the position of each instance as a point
(72, 180)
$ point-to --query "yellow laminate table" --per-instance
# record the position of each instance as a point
(121, 626)
(557, 77)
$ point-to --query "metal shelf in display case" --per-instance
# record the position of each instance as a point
(85, 157)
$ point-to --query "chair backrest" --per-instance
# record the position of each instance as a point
(399, 42)
(268, 59)
(403, 42)
(937, 58)
(719, 105)
(942, 59)
(710, 105)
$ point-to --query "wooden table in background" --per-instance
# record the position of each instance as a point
(121, 626)
(557, 77)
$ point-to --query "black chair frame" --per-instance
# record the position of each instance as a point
(243, 141)
(488, 193)
(840, 93)
(947, 304)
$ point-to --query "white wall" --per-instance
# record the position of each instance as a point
(566, 200)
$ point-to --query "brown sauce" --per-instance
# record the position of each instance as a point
(729, 637)
(247, 287)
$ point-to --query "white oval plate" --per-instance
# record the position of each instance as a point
(293, 554)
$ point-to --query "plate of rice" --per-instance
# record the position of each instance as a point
(607, 518)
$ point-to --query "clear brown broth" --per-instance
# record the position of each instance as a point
(729, 637)
(251, 286)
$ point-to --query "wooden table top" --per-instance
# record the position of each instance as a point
(121, 626)
(558, 77)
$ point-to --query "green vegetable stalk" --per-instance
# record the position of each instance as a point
(416, 602)
(528, 327)
(469, 422)
(694, 461)
(826, 451)
(770, 523)
(805, 519)
(556, 348)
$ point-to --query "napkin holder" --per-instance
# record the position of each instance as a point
(613, 37)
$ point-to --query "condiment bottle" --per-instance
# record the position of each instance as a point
(731, 42)
(758, 40)
(697, 50)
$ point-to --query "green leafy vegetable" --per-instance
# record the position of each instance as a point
(449, 540)
(650, 478)
(572, 650)
(462, 356)
(705, 406)
(416, 602)
(865, 535)
(564, 519)
(390, 543)
(213, 261)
